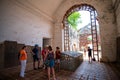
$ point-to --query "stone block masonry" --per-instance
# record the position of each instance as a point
(9, 54)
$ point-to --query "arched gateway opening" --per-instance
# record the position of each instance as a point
(94, 29)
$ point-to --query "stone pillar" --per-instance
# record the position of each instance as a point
(58, 35)
(108, 37)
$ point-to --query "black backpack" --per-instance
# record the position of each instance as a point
(50, 56)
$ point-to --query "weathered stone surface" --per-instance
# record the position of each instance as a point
(86, 71)
(1, 56)
(71, 60)
(21, 24)
(118, 49)
(116, 6)
(9, 54)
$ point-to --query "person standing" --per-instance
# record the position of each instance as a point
(84, 52)
(49, 57)
(43, 53)
(23, 60)
(58, 56)
(90, 54)
(44, 50)
(36, 56)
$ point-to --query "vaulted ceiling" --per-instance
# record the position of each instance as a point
(44, 7)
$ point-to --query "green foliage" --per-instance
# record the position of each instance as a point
(89, 38)
(74, 19)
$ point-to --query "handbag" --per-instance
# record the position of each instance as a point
(47, 62)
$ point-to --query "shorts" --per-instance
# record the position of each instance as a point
(35, 58)
(89, 55)
(50, 63)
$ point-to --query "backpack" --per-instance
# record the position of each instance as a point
(50, 56)
(93, 59)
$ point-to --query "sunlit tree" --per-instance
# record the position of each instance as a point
(74, 20)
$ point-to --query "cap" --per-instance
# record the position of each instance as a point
(36, 45)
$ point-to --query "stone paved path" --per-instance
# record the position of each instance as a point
(86, 71)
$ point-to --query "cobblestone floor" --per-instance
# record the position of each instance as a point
(86, 71)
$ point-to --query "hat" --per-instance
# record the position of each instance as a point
(36, 45)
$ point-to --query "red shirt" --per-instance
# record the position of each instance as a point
(58, 54)
(43, 53)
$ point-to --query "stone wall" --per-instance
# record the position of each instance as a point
(106, 21)
(23, 24)
(9, 54)
(1, 56)
(118, 49)
(71, 60)
(116, 6)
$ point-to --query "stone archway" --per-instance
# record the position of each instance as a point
(93, 18)
(106, 21)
